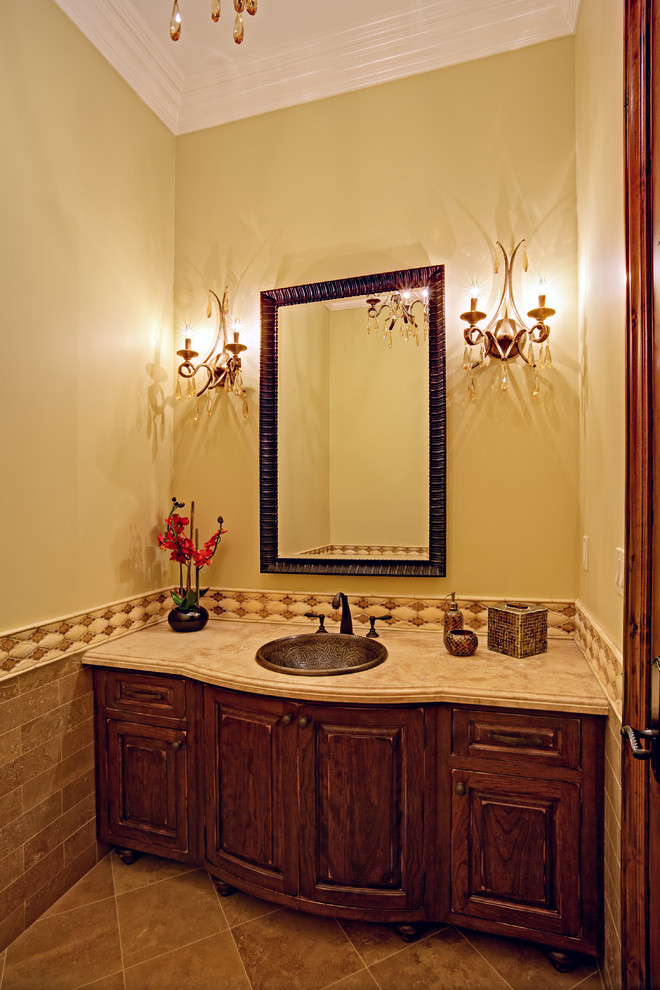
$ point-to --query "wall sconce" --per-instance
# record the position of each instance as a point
(405, 308)
(222, 365)
(506, 334)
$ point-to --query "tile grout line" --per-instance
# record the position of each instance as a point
(487, 961)
(3, 963)
(121, 948)
(231, 932)
(582, 982)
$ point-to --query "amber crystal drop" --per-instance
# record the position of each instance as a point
(239, 6)
(471, 388)
(537, 385)
(466, 358)
(548, 358)
(251, 7)
(239, 32)
(196, 418)
(505, 377)
(175, 22)
(215, 10)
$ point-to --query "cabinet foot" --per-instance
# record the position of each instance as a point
(224, 889)
(127, 856)
(410, 931)
(563, 960)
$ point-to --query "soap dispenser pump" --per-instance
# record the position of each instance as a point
(453, 616)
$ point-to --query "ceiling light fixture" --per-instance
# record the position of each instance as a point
(506, 333)
(239, 7)
(408, 308)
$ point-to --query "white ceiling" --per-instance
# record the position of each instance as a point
(298, 50)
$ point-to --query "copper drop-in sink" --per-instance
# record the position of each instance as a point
(317, 654)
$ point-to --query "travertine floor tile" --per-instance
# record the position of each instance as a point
(211, 964)
(114, 982)
(66, 950)
(167, 915)
(358, 981)
(442, 962)
(97, 885)
(375, 942)
(240, 907)
(147, 869)
(296, 951)
(525, 966)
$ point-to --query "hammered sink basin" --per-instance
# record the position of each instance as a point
(315, 654)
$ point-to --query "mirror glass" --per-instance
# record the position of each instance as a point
(352, 430)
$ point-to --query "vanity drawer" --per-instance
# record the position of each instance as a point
(553, 740)
(144, 694)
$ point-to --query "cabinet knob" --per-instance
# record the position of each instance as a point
(177, 745)
(303, 721)
(287, 719)
(459, 789)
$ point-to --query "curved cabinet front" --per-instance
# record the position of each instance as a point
(484, 817)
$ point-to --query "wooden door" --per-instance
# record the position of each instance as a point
(251, 789)
(515, 851)
(146, 788)
(640, 838)
(361, 801)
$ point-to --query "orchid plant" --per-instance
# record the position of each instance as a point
(187, 553)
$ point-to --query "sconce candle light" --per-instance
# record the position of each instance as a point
(506, 335)
(405, 308)
(222, 365)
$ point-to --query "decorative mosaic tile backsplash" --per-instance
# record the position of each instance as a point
(602, 656)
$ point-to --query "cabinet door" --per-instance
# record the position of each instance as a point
(145, 784)
(515, 851)
(251, 788)
(361, 801)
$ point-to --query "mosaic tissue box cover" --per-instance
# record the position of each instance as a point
(518, 630)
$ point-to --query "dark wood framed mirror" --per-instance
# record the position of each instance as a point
(352, 451)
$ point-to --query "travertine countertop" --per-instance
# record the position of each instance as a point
(418, 668)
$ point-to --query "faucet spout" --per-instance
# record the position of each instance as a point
(346, 625)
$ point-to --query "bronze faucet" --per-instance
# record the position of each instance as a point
(346, 625)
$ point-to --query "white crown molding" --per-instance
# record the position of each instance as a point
(439, 34)
(124, 40)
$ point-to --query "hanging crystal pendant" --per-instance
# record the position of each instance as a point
(471, 388)
(537, 386)
(209, 404)
(239, 32)
(530, 354)
(466, 358)
(251, 7)
(196, 418)
(548, 359)
(482, 355)
(177, 394)
(215, 12)
(505, 377)
(190, 389)
(245, 409)
(175, 22)
(239, 6)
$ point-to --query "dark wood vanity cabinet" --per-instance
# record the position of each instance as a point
(145, 762)
(320, 802)
(484, 817)
(525, 812)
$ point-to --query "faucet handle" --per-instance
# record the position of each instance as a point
(321, 618)
(373, 619)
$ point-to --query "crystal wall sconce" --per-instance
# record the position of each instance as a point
(507, 336)
(409, 309)
(221, 366)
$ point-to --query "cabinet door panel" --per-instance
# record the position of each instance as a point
(147, 794)
(515, 851)
(248, 780)
(361, 807)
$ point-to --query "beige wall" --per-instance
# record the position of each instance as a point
(602, 272)
(431, 169)
(87, 186)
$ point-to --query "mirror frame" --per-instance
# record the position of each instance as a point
(366, 285)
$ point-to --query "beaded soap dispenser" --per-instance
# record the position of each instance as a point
(453, 616)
